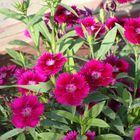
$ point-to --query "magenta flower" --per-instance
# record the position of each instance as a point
(29, 78)
(73, 136)
(27, 33)
(90, 135)
(124, 1)
(50, 64)
(26, 111)
(6, 72)
(132, 30)
(119, 65)
(71, 89)
(62, 15)
(110, 22)
(97, 74)
(93, 28)
(19, 72)
(136, 135)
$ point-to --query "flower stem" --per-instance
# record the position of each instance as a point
(89, 39)
(136, 53)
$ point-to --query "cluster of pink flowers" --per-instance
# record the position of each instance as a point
(26, 111)
(47, 65)
(6, 72)
(73, 136)
(94, 74)
(93, 28)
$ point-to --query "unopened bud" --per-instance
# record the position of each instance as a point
(110, 5)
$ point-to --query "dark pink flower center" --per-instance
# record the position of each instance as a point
(71, 88)
(67, 12)
(138, 30)
(32, 82)
(116, 69)
(50, 62)
(3, 75)
(26, 111)
(96, 75)
(92, 28)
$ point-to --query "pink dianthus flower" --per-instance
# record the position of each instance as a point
(136, 135)
(124, 1)
(97, 74)
(62, 15)
(119, 65)
(26, 111)
(71, 89)
(29, 78)
(132, 30)
(50, 64)
(73, 136)
(27, 33)
(93, 28)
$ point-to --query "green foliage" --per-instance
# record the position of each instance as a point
(107, 43)
(109, 137)
(11, 134)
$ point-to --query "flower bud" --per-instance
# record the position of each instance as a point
(110, 5)
(22, 5)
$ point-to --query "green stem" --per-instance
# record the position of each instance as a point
(89, 39)
(136, 53)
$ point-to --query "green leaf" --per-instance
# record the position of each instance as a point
(135, 104)
(12, 14)
(55, 124)
(98, 123)
(50, 136)
(44, 30)
(107, 43)
(127, 97)
(117, 123)
(21, 137)
(67, 115)
(3, 111)
(11, 133)
(35, 34)
(121, 30)
(33, 133)
(109, 137)
(68, 8)
(18, 57)
(109, 113)
(67, 35)
(19, 42)
(42, 87)
(96, 109)
(81, 138)
(80, 58)
(64, 45)
(70, 62)
(38, 16)
(77, 45)
(95, 97)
